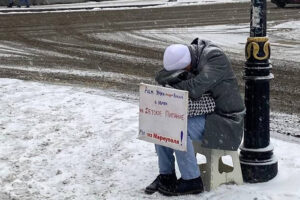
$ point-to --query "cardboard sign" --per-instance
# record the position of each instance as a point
(163, 116)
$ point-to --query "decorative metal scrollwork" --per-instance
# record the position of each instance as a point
(253, 47)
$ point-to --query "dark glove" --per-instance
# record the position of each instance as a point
(164, 77)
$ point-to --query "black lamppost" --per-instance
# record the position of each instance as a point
(257, 160)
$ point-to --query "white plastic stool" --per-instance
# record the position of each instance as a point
(215, 172)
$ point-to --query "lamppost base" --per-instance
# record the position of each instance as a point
(256, 172)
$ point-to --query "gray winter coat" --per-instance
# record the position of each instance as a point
(214, 75)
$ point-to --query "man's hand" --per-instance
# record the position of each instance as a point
(165, 77)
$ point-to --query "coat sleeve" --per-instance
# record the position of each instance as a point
(212, 72)
(164, 77)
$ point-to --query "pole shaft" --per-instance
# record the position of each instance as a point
(257, 160)
(258, 22)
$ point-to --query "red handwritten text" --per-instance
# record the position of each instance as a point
(150, 111)
(162, 138)
(174, 115)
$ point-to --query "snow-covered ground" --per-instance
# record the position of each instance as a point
(284, 37)
(69, 142)
(74, 143)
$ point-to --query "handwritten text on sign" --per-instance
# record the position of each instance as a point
(163, 116)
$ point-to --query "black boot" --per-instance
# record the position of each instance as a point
(183, 187)
(166, 180)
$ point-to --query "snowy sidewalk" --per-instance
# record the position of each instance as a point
(69, 142)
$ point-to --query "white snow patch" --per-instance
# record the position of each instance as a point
(7, 49)
(288, 30)
(81, 73)
(256, 16)
(232, 38)
(70, 142)
(14, 49)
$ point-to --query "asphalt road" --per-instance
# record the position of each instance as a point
(62, 47)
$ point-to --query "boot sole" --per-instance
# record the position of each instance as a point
(150, 191)
(168, 193)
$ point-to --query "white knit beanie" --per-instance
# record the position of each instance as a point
(176, 56)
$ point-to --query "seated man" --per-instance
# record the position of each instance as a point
(208, 71)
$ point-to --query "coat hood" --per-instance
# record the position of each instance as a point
(196, 50)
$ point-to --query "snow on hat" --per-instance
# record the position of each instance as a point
(176, 56)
